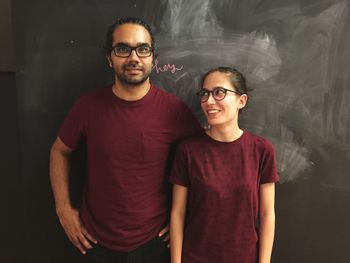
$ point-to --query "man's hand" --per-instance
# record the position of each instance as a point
(77, 234)
(165, 234)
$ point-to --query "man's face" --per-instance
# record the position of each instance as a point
(131, 70)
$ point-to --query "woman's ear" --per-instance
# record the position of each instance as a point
(242, 101)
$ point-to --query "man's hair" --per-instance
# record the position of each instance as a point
(126, 20)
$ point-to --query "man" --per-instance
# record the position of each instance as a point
(130, 129)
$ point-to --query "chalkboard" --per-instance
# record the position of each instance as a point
(295, 55)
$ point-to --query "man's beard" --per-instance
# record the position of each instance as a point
(125, 79)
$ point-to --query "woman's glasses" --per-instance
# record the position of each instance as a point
(218, 93)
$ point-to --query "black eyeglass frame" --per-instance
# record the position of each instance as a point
(204, 94)
(131, 49)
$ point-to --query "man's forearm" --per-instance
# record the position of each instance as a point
(59, 172)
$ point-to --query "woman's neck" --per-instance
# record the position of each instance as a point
(225, 134)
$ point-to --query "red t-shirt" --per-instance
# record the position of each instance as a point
(223, 200)
(128, 152)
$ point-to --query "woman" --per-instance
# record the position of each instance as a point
(225, 179)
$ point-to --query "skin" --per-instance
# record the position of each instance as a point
(131, 73)
(177, 219)
(68, 216)
(222, 117)
(131, 83)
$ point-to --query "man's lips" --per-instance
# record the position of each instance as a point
(133, 71)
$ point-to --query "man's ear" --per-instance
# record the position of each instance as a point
(109, 61)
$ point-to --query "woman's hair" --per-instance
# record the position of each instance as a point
(236, 78)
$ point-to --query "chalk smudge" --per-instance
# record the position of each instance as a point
(289, 57)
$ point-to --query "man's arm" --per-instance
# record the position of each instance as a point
(68, 216)
(177, 218)
(267, 221)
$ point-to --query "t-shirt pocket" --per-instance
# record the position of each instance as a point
(156, 146)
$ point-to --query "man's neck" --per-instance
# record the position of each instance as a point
(131, 92)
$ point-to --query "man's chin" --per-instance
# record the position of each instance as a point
(133, 81)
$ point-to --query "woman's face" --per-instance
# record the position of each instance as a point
(222, 112)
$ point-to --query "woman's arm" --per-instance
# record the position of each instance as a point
(177, 219)
(267, 221)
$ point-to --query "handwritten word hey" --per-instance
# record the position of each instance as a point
(167, 67)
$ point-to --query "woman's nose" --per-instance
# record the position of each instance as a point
(211, 99)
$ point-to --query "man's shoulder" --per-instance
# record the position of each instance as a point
(166, 95)
(94, 95)
(171, 104)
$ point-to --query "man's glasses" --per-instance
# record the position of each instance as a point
(124, 51)
(218, 93)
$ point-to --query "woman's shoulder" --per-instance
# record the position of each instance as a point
(193, 140)
(258, 141)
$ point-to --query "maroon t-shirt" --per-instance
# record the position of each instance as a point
(128, 148)
(223, 181)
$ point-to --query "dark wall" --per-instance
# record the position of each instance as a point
(7, 61)
(295, 55)
(10, 187)
(10, 179)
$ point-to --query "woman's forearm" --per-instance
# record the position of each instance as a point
(267, 221)
(176, 236)
(177, 219)
(266, 237)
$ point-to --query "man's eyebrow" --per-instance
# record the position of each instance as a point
(121, 44)
(143, 44)
(128, 44)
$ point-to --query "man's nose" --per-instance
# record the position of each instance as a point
(133, 56)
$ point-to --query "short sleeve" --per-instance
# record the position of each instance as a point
(73, 128)
(268, 165)
(187, 123)
(179, 173)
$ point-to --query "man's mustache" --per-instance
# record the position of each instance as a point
(132, 66)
